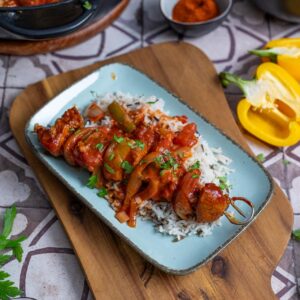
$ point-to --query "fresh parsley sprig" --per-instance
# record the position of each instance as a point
(7, 288)
(296, 234)
(260, 157)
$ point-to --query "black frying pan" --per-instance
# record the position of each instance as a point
(46, 21)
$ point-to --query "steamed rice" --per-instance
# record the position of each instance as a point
(213, 165)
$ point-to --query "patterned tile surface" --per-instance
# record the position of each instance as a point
(58, 275)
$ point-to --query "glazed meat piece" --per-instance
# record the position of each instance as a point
(89, 152)
(212, 203)
(53, 138)
(73, 140)
(185, 197)
(186, 137)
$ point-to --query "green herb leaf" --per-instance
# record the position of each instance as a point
(9, 218)
(87, 5)
(18, 252)
(166, 162)
(286, 162)
(92, 181)
(111, 156)
(100, 146)
(260, 157)
(118, 139)
(127, 167)
(140, 144)
(3, 275)
(5, 243)
(4, 259)
(195, 176)
(131, 145)
(102, 192)
(109, 169)
(159, 160)
(296, 234)
(152, 102)
(7, 290)
(224, 183)
(195, 166)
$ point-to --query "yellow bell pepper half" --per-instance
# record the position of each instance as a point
(284, 52)
(271, 109)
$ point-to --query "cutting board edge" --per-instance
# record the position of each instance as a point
(97, 65)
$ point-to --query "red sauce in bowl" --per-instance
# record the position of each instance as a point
(191, 11)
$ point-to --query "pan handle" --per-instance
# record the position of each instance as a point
(48, 32)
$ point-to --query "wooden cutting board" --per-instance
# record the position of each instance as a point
(113, 269)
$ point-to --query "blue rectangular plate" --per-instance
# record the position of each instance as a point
(249, 180)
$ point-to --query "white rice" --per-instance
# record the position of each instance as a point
(213, 165)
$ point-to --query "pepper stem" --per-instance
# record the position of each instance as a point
(265, 53)
(229, 78)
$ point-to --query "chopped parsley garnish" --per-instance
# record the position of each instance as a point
(195, 176)
(260, 157)
(87, 5)
(118, 139)
(286, 162)
(136, 144)
(100, 146)
(167, 162)
(109, 169)
(102, 192)
(159, 160)
(111, 156)
(72, 129)
(131, 145)
(152, 102)
(92, 182)
(127, 167)
(296, 234)
(224, 183)
(195, 166)
(140, 144)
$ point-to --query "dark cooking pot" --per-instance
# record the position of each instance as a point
(46, 21)
(288, 10)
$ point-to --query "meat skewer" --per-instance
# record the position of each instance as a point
(147, 160)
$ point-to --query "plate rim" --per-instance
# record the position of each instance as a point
(168, 270)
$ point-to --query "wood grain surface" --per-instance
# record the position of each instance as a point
(19, 47)
(113, 269)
